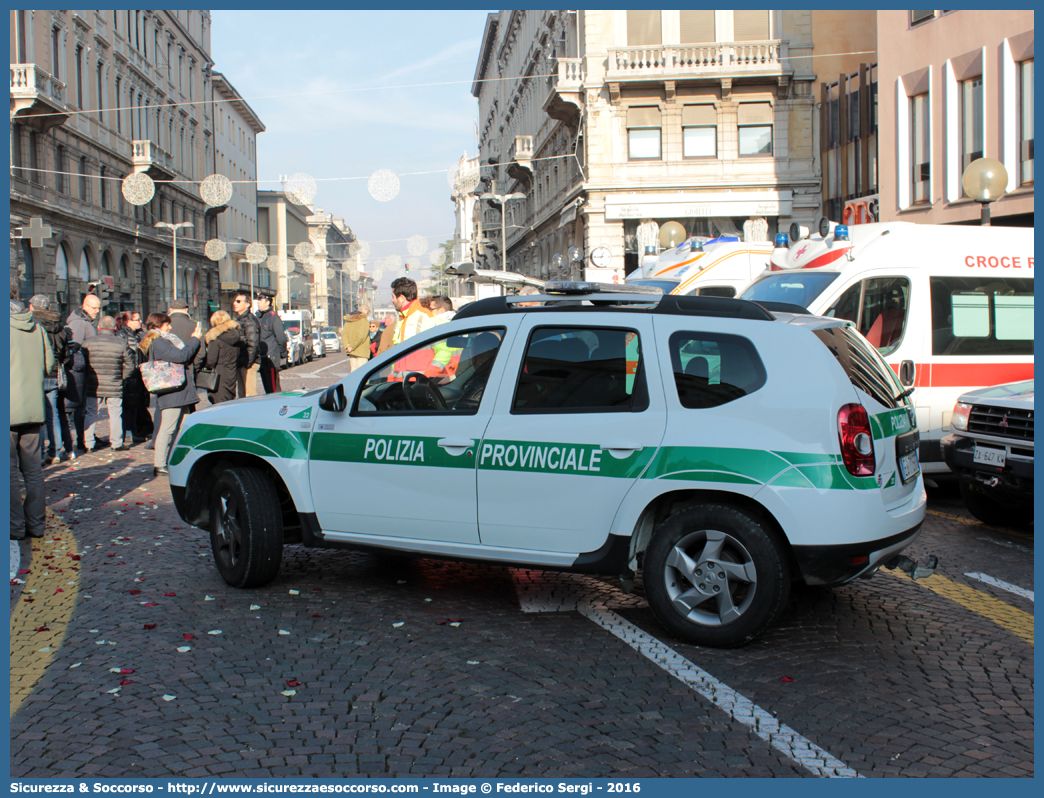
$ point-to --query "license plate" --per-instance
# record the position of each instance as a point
(909, 467)
(990, 457)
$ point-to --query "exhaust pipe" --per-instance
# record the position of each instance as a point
(911, 568)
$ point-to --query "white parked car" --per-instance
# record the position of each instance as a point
(331, 340)
(991, 450)
(721, 448)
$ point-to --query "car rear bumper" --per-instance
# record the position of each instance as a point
(838, 565)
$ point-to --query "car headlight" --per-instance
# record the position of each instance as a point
(959, 419)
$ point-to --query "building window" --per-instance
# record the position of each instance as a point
(84, 193)
(59, 169)
(21, 53)
(101, 90)
(103, 193)
(920, 148)
(917, 17)
(643, 133)
(55, 49)
(61, 263)
(696, 26)
(750, 26)
(643, 28)
(699, 131)
(755, 130)
(79, 76)
(971, 120)
(119, 115)
(34, 173)
(1026, 124)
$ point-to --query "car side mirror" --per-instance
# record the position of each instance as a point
(333, 399)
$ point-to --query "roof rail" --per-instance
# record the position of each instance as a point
(631, 302)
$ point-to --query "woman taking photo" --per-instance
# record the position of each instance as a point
(222, 341)
(161, 345)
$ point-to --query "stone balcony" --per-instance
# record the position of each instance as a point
(150, 159)
(520, 158)
(37, 98)
(711, 60)
(566, 95)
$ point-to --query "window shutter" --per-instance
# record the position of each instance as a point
(750, 26)
(643, 28)
(755, 114)
(643, 116)
(699, 115)
(697, 27)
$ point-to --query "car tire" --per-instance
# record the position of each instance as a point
(990, 511)
(246, 527)
(716, 575)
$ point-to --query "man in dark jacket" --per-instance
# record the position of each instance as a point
(80, 402)
(182, 325)
(110, 362)
(273, 343)
(54, 400)
(250, 349)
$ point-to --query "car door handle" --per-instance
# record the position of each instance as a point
(456, 446)
(907, 373)
(621, 449)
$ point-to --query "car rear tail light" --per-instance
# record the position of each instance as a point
(857, 441)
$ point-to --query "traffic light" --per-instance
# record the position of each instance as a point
(407, 268)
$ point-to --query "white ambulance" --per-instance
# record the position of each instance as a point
(950, 308)
(725, 269)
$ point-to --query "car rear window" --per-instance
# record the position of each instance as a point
(711, 369)
(866, 369)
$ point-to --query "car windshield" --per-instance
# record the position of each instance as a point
(798, 287)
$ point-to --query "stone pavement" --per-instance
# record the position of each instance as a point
(374, 665)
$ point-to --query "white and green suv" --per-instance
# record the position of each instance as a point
(722, 447)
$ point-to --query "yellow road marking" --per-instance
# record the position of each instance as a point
(1013, 619)
(32, 651)
(976, 522)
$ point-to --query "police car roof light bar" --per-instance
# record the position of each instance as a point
(574, 287)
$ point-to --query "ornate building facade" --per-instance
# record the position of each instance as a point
(608, 120)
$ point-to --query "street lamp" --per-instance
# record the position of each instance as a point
(174, 230)
(984, 181)
(502, 200)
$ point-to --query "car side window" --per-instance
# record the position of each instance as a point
(447, 375)
(581, 369)
(711, 369)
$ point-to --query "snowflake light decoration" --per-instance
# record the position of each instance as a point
(353, 272)
(216, 190)
(256, 252)
(393, 263)
(138, 189)
(304, 251)
(300, 188)
(378, 273)
(215, 249)
(438, 257)
(363, 250)
(383, 185)
(330, 273)
(417, 245)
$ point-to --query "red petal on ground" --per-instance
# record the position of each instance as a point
(125, 671)
(112, 523)
(292, 683)
(317, 589)
(188, 636)
(24, 571)
(125, 682)
(30, 600)
(139, 502)
(317, 615)
(152, 604)
(150, 626)
(42, 629)
(454, 620)
(110, 555)
(176, 527)
(48, 556)
(441, 623)
(170, 594)
(75, 556)
(134, 592)
(59, 590)
(785, 679)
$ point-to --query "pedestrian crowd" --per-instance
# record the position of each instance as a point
(145, 376)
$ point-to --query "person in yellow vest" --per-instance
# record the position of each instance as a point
(413, 318)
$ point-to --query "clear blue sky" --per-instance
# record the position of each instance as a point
(353, 133)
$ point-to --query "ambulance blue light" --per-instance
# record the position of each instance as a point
(696, 246)
(782, 241)
(841, 232)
